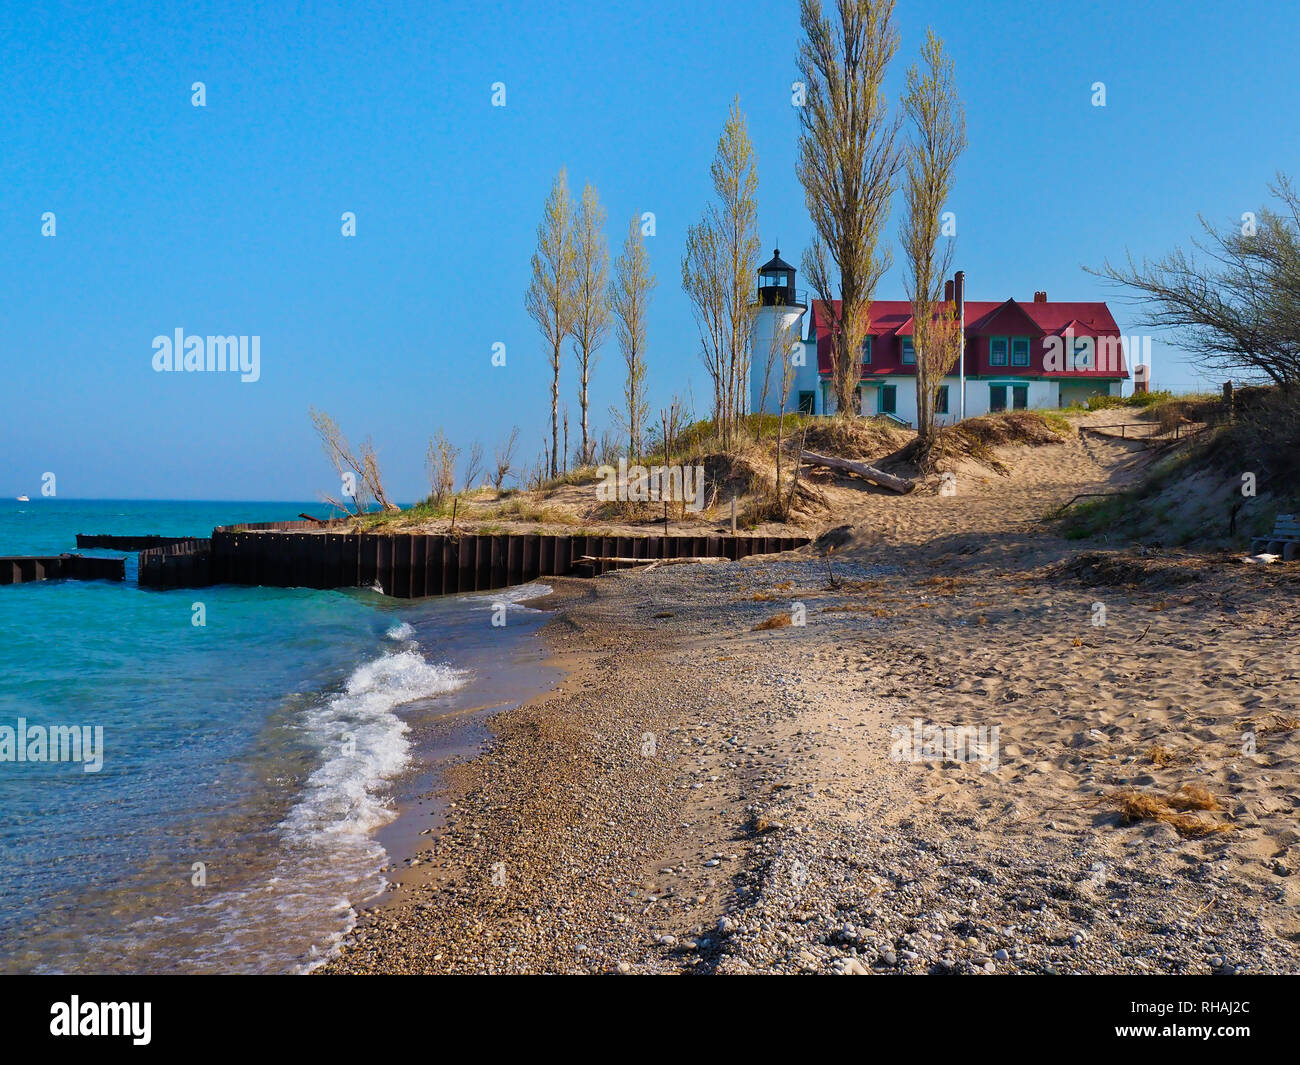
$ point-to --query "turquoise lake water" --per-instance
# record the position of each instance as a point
(246, 763)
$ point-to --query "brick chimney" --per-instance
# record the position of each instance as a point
(1040, 297)
(959, 290)
(947, 291)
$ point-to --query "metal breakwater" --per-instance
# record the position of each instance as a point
(128, 543)
(412, 565)
(23, 569)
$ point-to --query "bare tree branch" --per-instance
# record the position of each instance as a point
(1237, 308)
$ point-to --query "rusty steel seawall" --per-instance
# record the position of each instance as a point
(413, 565)
(23, 569)
(128, 543)
(182, 564)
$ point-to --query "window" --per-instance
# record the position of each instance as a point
(1019, 351)
(888, 399)
(997, 397)
(909, 352)
(941, 400)
(857, 400)
(1083, 351)
(997, 351)
(807, 401)
(866, 352)
(1020, 396)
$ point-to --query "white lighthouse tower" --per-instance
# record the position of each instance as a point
(778, 332)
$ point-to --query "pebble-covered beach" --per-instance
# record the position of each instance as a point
(704, 796)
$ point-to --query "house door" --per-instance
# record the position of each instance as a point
(888, 399)
(997, 397)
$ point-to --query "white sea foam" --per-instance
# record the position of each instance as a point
(303, 907)
(363, 743)
(403, 630)
(514, 596)
(329, 849)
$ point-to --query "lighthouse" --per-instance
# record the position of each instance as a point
(777, 337)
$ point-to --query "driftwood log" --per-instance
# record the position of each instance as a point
(652, 563)
(877, 477)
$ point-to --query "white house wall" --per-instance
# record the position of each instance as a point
(1042, 395)
(1080, 391)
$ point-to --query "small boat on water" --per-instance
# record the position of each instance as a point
(23, 499)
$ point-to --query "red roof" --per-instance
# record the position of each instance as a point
(891, 321)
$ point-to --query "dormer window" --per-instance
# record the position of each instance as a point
(1084, 348)
(909, 352)
(866, 352)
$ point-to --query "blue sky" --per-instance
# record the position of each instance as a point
(226, 219)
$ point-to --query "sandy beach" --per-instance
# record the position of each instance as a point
(705, 794)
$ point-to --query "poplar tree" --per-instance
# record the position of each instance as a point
(591, 326)
(848, 165)
(629, 299)
(552, 299)
(938, 137)
(718, 272)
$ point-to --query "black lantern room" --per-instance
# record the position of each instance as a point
(776, 283)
